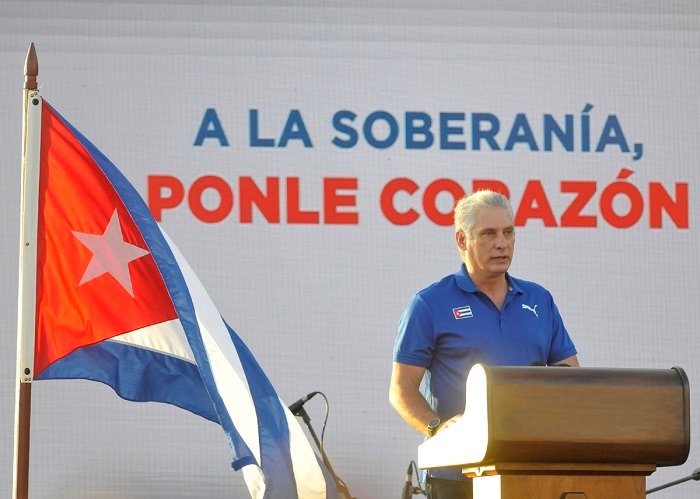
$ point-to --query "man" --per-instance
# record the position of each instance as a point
(479, 314)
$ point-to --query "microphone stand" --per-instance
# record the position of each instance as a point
(694, 476)
(342, 488)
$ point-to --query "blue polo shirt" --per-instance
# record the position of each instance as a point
(451, 325)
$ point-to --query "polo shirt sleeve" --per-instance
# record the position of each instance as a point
(415, 342)
(562, 347)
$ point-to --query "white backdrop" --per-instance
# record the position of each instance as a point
(318, 303)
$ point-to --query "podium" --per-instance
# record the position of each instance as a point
(558, 432)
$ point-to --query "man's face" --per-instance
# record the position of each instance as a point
(490, 250)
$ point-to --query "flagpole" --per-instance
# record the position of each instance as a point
(26, 307)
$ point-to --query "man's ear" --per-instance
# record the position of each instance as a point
(461, 240)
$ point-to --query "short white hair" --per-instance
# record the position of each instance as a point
(466, 209)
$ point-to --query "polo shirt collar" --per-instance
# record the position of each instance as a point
(466, 284)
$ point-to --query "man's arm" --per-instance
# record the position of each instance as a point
(405, 396)
(571, 361)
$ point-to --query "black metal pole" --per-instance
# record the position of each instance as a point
(301, 412)
(694, 476)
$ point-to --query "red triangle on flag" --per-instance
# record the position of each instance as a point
(96, 278)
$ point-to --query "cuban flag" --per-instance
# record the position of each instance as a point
(116, 302)
(464, 312)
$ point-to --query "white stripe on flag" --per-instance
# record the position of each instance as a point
(254, 480)
(307, 473)
(166, 337)
(225, 365)
(231, 384)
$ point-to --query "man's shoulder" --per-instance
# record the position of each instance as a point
(529, 287)
(438, 288)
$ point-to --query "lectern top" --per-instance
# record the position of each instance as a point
(573, 415)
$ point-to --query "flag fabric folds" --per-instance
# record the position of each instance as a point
(118, 303)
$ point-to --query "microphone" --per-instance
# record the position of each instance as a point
(296, 406)
(408, 486)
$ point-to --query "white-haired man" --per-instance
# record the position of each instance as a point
(478, 314)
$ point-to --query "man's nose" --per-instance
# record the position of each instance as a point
(501, 241)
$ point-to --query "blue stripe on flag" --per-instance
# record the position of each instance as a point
(137, 374)
(272, 420)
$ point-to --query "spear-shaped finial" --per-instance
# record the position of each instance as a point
(31, 69)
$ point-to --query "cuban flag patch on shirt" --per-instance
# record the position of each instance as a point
(462, 312)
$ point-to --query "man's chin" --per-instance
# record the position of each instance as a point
(499, 267)
(500, 262)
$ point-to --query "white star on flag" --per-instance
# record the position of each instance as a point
(110, 254)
